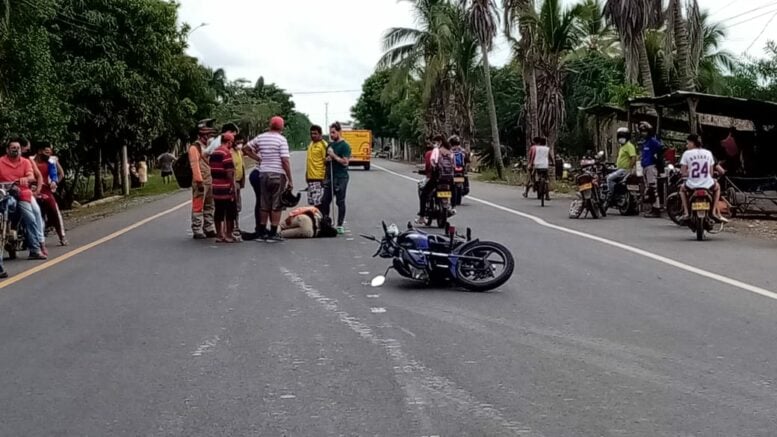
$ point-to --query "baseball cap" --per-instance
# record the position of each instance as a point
(276, 123)
(227, 137)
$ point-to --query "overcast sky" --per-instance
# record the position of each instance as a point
(314, 46)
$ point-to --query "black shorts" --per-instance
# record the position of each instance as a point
(225, 210)
(166, 173)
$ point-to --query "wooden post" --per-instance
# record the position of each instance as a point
(125, 178)
(693, 117)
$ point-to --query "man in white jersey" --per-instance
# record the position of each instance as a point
(275, 177)
(698, 166)
(540, 160)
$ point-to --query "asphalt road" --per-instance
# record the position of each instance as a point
(622, 326)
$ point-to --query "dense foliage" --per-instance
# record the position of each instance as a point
(565, 58)
(91, 76)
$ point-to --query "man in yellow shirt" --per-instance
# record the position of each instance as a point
(316, 166)
(627, 160)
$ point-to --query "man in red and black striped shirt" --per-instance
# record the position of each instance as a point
(222, 169)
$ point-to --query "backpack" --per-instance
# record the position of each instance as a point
(445, 167)
(183, 171)
(459, 160)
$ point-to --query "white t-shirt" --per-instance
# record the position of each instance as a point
(541, 160)
(435, 155)
(271, 146)
(701, 165)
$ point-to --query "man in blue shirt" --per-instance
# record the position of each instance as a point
(652, 150)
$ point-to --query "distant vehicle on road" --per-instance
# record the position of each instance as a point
(360, 141)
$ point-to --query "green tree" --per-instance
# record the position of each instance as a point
(371, 110)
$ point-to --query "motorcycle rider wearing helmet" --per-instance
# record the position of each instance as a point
(701, 164)
(627, 160)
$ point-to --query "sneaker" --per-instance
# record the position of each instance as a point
(37, 257)
(200, 236)
(684, 218)
(274, 238)
(43, 250)
(719, 219)
(340, 230)
(63, 242)
(3, 275)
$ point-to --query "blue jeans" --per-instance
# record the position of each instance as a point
(613, 179)
(30, 220)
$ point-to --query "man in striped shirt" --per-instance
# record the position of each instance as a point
(275, 176)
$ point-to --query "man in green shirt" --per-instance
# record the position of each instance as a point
(336, 184)
(627, 160)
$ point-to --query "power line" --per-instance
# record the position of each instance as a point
(748, 20)
(762, 32)
(767, 6)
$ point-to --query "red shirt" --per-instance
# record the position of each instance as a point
(18, 170)
(222, 169)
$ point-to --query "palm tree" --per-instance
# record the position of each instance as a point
(632, 18)
(596, 34)
(419, 51)
(558, 35)
(677, 34)
(483, 24)
(464, 48)
(708, 61)
(523, 14)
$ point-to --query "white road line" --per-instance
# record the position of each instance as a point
(635, 250)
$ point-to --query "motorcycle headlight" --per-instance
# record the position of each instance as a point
(567, 166)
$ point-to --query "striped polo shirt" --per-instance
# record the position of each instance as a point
(223, 183)
(271, 146)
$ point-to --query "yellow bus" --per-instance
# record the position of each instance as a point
(361, 146)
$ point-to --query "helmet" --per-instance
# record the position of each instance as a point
(289, 200)
(645, 126)
(623, 133)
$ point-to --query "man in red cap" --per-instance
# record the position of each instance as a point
(203, 207)
(275, 177)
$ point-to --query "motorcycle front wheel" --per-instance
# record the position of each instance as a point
(674, 208)
(487, 266)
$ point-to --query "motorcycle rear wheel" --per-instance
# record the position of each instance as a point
(473, 275)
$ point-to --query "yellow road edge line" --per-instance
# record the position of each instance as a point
(81, 249)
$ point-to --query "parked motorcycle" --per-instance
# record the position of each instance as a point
(11, 229)
(473, 264)
(627, 197)
(438, 206)
(589, 196)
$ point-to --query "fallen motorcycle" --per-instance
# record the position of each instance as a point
(443, 259)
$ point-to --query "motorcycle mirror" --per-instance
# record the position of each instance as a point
(469, 234)
(378, 281)
(369, 237)
(409, 225)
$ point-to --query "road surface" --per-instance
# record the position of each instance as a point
(623, 326)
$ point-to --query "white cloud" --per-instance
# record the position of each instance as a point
(333, 45)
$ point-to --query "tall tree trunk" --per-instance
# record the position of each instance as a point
(99, 192)
(682, 43)
(492, 115)
(644, 69)
(532, 105)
